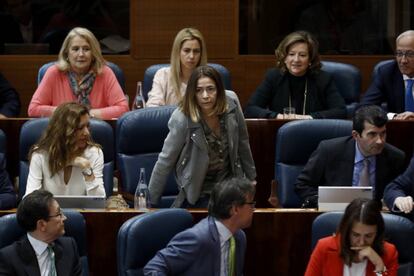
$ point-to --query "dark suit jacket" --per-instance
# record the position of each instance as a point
(19, 258)
(332, 164)
(403, 186)
(195, 251)
(7, 193)
(9, 99)
(388, 86)
(323, 100)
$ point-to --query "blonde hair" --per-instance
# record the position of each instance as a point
(189, 105)
(175, 61)
(59, 139)
(98, 61)
(299, 37)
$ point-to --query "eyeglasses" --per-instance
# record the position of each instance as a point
(407, 54)
(208, 89)
(60, 215)
(251, 203)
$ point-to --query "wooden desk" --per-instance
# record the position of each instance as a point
(262, 133)
(278, 242)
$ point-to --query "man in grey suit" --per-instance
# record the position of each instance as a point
(42, 251)
(216, 245)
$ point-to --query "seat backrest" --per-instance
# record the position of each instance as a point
(119, 74)
(295, 142)
(140, 136)
(347, 79)
(102, 133)
(75, 227)
(378, 65)
(398, 231)
(140, 237)
(150, 72)
(3, 147)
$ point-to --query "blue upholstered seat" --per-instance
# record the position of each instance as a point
(150, 72)
(140, 237)
(295, 143)
(75, 227)
(348, 81)
(398, 230)
(140, 136)
(119, 74)
(102, 133)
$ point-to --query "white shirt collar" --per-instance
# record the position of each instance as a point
(223, 231)
(38, 245)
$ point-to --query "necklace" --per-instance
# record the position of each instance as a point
(305, 93)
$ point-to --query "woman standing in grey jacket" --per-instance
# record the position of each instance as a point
(207, 143)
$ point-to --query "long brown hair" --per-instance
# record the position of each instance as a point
(58, 140)
(189, 105)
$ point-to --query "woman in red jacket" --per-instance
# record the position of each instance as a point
(358, 247)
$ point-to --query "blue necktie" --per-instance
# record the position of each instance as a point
(409, 102)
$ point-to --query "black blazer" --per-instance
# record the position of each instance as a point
(20, 259)
(388, 86)
(332, 164)
(323, 100)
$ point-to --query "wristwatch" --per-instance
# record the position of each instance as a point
(87, 172)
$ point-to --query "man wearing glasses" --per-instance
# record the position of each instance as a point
(216, 245)
(42, 251)
(393, 83)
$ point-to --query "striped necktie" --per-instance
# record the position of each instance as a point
(232, 257)
(409, 101)
(51, 254)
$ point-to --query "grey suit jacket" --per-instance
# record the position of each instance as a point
(195, 251)
(185, 149)
(20, 259)
(332, 164)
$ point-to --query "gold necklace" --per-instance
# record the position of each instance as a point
(305, 93)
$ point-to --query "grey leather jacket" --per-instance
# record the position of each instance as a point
(185, 150)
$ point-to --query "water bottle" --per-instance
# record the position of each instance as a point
(138, 102)
(141, 198)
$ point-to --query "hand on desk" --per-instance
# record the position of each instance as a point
(408, 115)
(405, 204)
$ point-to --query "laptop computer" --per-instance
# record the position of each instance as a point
(81, 202)
(336, 198)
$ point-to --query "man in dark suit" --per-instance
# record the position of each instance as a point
(398, 195)
(7, 193)
(42, 251)
(392, 80)
(341, 161)
(216, 245)
(9, 99)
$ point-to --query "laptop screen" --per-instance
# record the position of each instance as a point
(77, 201)
(336, 198)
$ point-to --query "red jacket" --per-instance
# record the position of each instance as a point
(325, 259)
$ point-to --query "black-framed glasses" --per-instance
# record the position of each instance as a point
(407, 54)
(251, 203)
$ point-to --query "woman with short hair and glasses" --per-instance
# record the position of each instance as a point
(207, 143)
(65, 161)
(169, 84)
(358, 246)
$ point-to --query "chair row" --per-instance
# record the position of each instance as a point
(140, 237)
(347, 78)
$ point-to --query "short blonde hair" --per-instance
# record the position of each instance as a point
(189, 105)
(299, 37)
(98, 61)
(175, 61)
